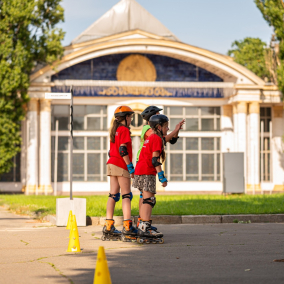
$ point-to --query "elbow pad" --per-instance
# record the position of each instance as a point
(174, 140)
(155, 162)
(123, 151)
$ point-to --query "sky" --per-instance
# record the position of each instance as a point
(210, 24)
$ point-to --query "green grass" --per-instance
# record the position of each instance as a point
(166, 204)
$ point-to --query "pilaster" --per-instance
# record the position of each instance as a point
(45, 147)
(240, 115)
(227, 128)
(277, 148)
(253, 162)
(32, 147)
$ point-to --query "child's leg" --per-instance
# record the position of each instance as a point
(146, 208)
(140, 202)
(114, 189)
(124, 184)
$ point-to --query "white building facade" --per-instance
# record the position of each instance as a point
(128, 57)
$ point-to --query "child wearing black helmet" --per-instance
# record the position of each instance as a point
(147, 131)
(149, 164)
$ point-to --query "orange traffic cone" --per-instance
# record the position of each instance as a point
(70, 219)
(74, 244)
(102, 275)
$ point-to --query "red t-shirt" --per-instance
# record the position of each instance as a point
(144, 166)
(122, 136)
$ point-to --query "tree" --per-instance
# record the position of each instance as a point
(273, 13)
(251, 53)
(28, 37)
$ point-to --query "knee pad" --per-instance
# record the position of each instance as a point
(150, 201)
(141, 195)
(115, 197)
(128, 195)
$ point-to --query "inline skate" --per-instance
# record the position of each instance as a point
(138, 221)
(147, 235)
(110, 233)
(129, 233)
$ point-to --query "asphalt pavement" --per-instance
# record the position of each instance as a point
(33, 252)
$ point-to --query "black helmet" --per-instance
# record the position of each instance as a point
(158, 119)
(149, 111)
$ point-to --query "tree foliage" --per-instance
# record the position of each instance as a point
(28, 36)
(250, 53)
(273, 13)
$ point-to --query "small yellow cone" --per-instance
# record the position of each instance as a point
(70, 219)
(74, 244)
(74, 228)
(102, 275)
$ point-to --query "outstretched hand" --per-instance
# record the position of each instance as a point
(179, 125)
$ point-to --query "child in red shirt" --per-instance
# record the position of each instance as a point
(149, 164)
(121, 170)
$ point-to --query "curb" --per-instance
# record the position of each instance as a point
(188, 219)
(197, 219)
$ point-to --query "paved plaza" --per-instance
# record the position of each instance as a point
(32, 252)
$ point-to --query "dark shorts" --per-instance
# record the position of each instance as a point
(145, 183)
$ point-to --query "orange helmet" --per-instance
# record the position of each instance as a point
(123, 111)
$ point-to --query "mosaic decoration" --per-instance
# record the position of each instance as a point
(136, 67)
(167, 69)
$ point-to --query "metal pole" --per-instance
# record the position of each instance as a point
(27, 156)
(271, 170)
(37, 153)
(71, 143)
(261, 150)
(56, 157)
(253, 158)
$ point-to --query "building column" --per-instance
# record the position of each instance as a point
(45, 148)
(277, 148)
(240, 117)
(227, 129)
(32, 147)
(253, 172)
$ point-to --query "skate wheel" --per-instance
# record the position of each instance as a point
(147, 241)
(140, 241)
(154, 242)
(103, 238)
(123, 238)
(161, 241)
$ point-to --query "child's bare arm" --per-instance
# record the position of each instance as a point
(127, 161)
(159, 168)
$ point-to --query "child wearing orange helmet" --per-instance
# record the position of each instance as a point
(120, 170)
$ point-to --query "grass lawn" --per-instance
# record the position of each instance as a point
(166, 204)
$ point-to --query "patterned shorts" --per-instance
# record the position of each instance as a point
(145, 183)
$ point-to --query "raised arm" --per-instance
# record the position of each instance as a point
(174, 134)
